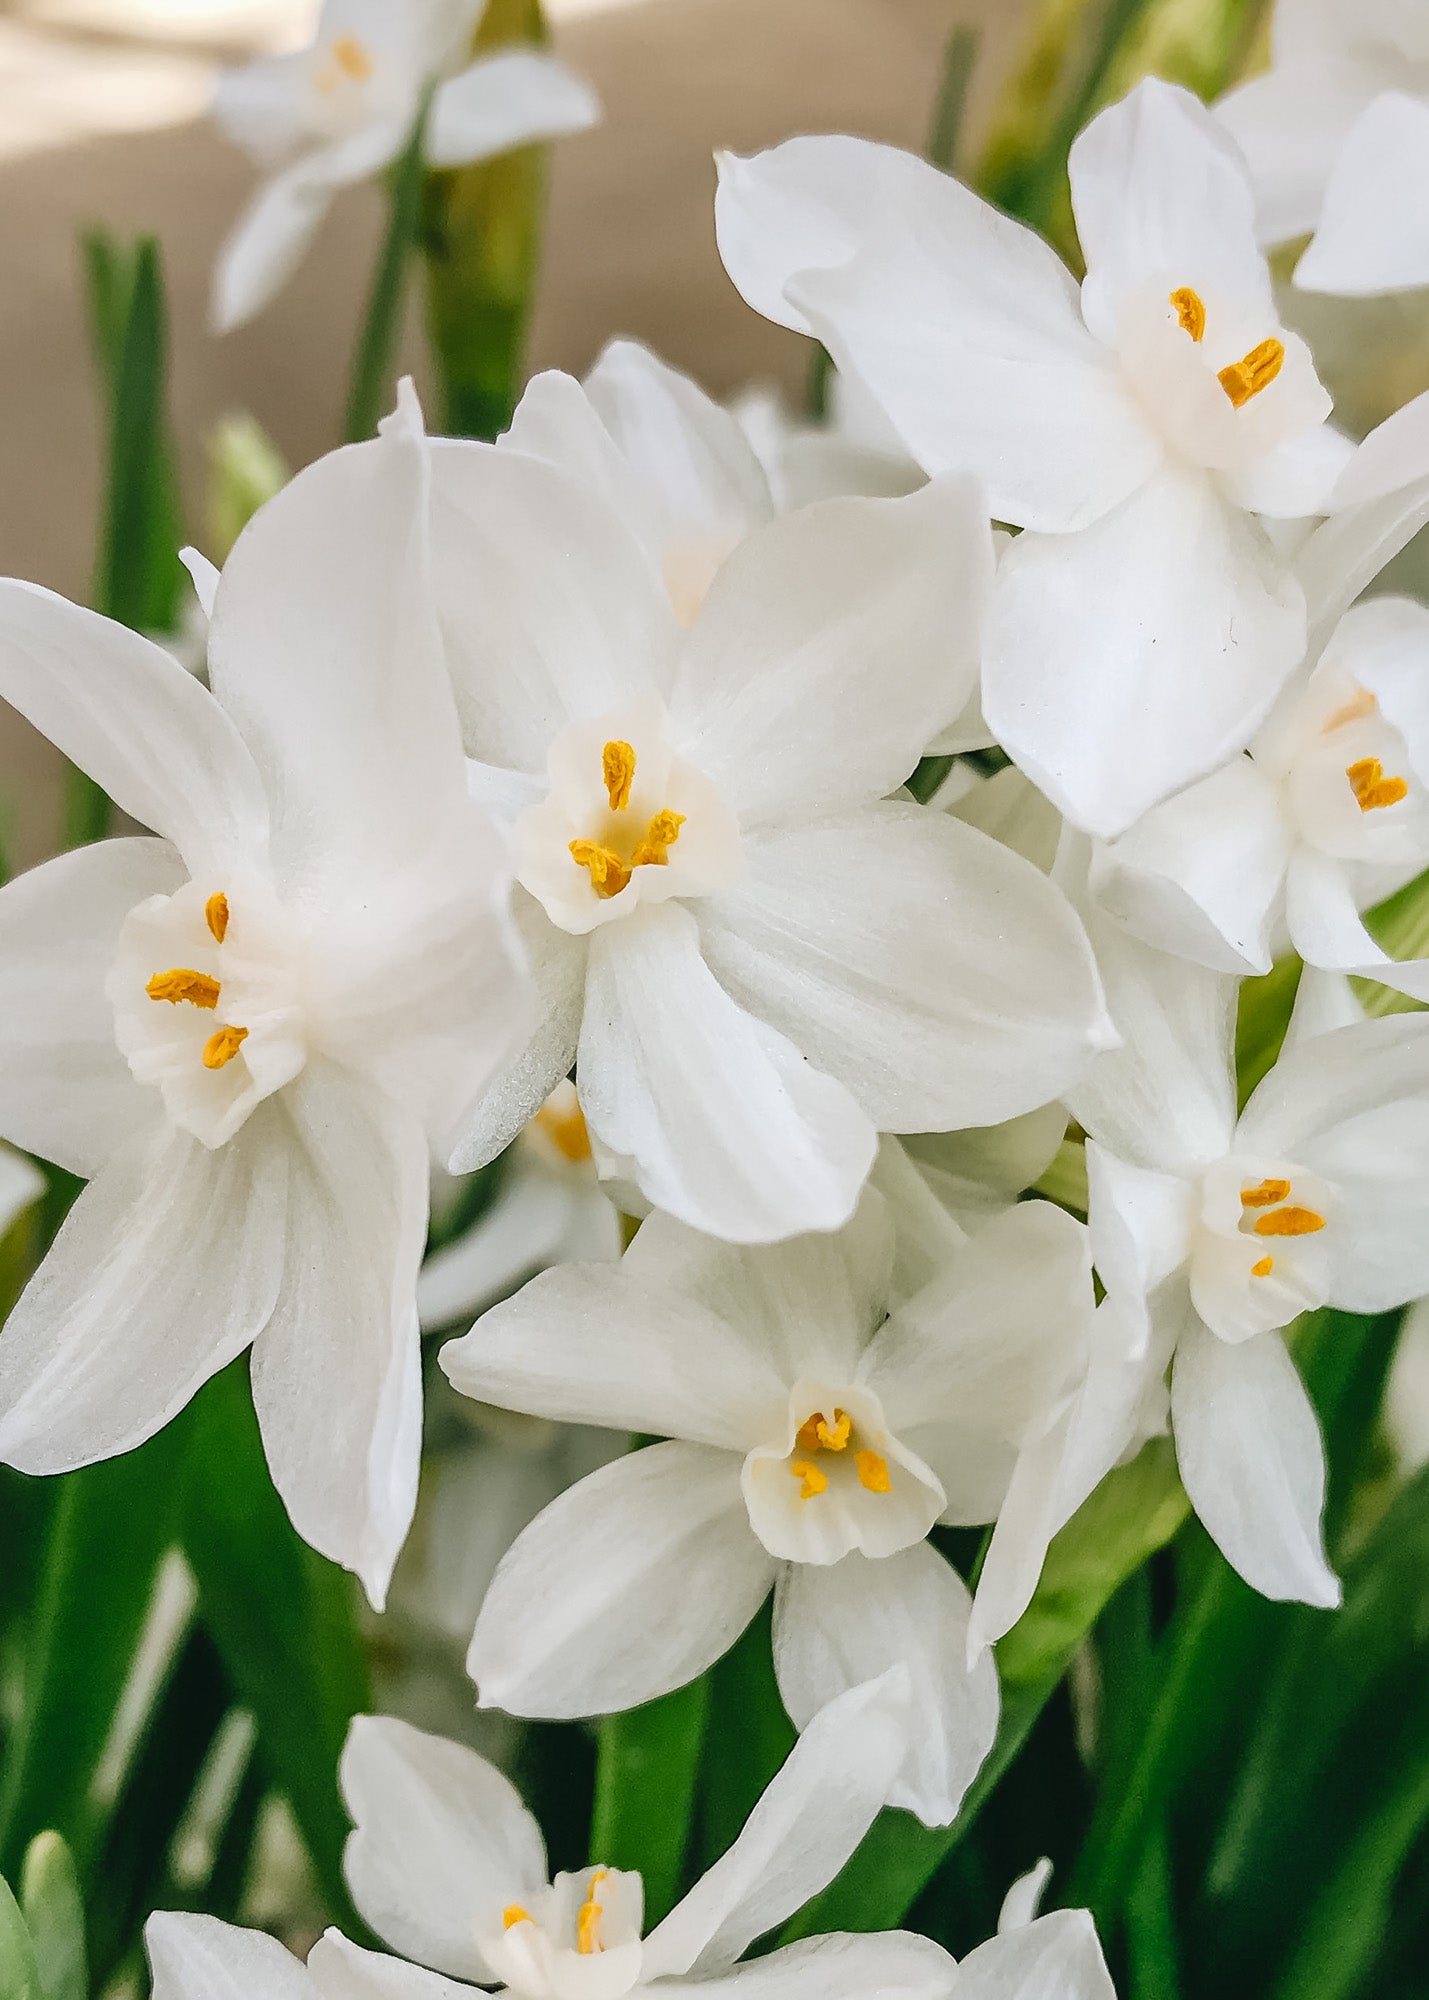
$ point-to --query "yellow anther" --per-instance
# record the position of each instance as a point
(222, 1047)
(566, 1131)
(661, 835)
(834, 1436)
(181, 983)
(608, 873)
(872, 1471)
(1190, 311)
(814, 1480)
(514, 1914)
(1370, 786)
(1265, 1194)
(1262, 1267)
(1360, 704)
(352, 57)
(588, 1918)
(1289, 1222)
(617, 769)
(215, 915)
(1246, 378)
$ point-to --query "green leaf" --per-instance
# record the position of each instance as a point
(747, 1737)
(245, 470)
(646, 1769)
(959, 60)
(54, 1913)
(19, 1974)
(284, 1621)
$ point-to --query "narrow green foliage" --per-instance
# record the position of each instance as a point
(373, 387)
(959, 61)
(54, 1915)
(647, 1767)
(747, 1737)
(19, 1973)
(1262, 1016)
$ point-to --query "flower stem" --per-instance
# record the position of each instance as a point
(372, 368)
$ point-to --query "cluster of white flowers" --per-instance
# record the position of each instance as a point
(584, 755)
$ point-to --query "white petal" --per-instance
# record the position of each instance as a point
(126, 712)
(1291, 124)
(1023, 1899)
(204, 576)
(1329, 933)
(984, 1013)
(1008, 808)
(1202, 876)
(577, 1620)
(342, 1970)
(1159, 190)
(504, 101)
(199, 1958)
(557, 965)
(1293, 479)
(812, 1815)
(336, 1375)
(963, 324)
(263, 105)
(65, 1091)
(667, 1366)
(862, 617)
(556, 420)
(842, 1965)
(1374, 227)
(440, 1843)
(723, 1122)
(1380, 502)
(535, 644)
(835, 1627)
(1058, 1954)
(1196, 627)
(519, 1234)
(1249, 1450)
(166, 1267)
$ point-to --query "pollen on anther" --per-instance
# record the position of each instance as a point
(222, 1046)
(181, 982)
(514, 1914)
(661, 835)
(215, 915)
(1370, 786)
(617, 770)
(588, 1918)
(1265, 1194)
(872, 1472)
(1289, 1222)
(1189, 311)
(814, 1481)
(1262, 1267)
(1255, 371)
(608, 873)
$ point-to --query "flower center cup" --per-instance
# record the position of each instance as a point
(838, 1480)
(1350, 788)
(579, 1939)
(1260, 1252)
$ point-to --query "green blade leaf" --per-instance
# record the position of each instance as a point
(54, 1913)
(19, 1974)
(646, 1768)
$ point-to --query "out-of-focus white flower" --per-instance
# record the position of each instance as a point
(1143, 625)
(247, 1032)
(343, 108)
(728, 918)
(447, 1865)
(1212, 1232)
(1337, 137)
(831, 1399)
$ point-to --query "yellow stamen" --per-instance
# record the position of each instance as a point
(181, 983)
(588, 1918)
(1263, 1267)
(1289, 1222)
(833, 1437)
(352, 58)
(566, 1131)
(661, 834)
(608, 873)
(514, 1914)
(1370, 786)
(1190, 311)
(814, 1480)
(215, 915)
(872, 1472)
(1265, 1195)
(1360, 704)
(222, 1047)
(617, 769)
(1246, 378)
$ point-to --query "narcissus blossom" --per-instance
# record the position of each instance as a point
(1144, 622)
(246, 1031)
(1337, 138)
(830, 1400)
(1212, 1232)
(755, 957)
(343, 108)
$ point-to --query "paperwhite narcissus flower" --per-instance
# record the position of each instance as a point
(1144, 624)
(449, 1867)
(1337, 138)
(201, 1958)
(853, 450)
(245, 1031)
(754, 956)
(1211, 1232)
(343, 108)
(830, 1399)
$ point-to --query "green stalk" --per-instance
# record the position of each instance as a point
(372, 384)
(647, 1767)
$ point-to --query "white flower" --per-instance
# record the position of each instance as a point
(755, 957)
(200, 1958)
(243, 1032)
(342, 109)
(1337, 137)
(830, 1399)
(449, 1867)
(854, 450)
(1144, 623)
(1212, 1232)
